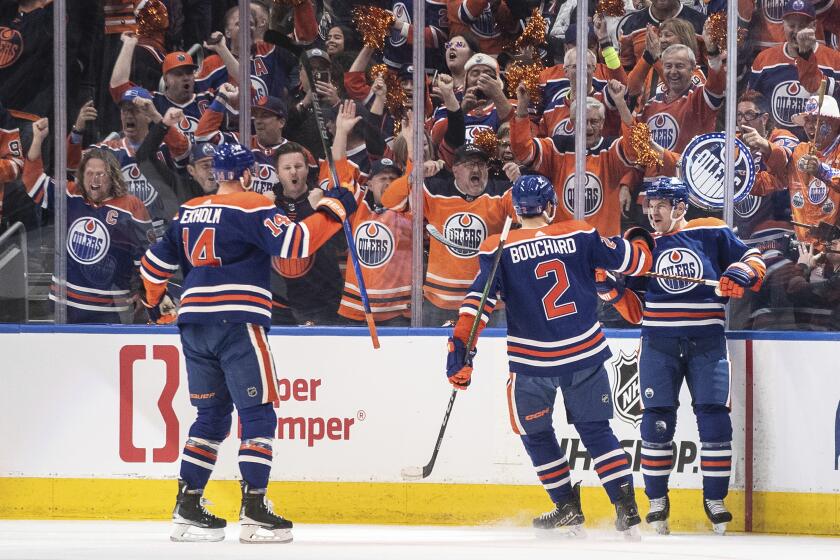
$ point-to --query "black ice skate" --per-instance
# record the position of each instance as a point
(192, 521)
(717, 514)
(627, 518)
(567, 518)
(259, 522)
(660, 509)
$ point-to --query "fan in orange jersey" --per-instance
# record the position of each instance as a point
(632, 28)
(559, 85)
(808, 65)
(607, 162)
(684, 110)
(466, 210)
(813, 179)
(647, 77)
(766, 18)
(382, 236)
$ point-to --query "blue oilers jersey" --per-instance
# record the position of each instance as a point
(486, 118)
(546, 278)
(193, 109)
(397, 52)
(104, 246)
(272, 72)
(704, 248)
(224, 244)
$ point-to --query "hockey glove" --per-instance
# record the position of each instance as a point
(339, 203)
(609, 285)
(459, 363)
(735, 278)
(641, 234)
(164, 313)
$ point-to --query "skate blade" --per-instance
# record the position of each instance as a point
(719, 528)
(567, 532)
(632, 534)
(661, 527)
(182, 532)
(256, 534)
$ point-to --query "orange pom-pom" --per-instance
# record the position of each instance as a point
(534, 33)
(487, 140)
(640, 141)
(374, 24)
(395, 99)
(716, 26)
(152, 18)
(517, 73)
(614, 8)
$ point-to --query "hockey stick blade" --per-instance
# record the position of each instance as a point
(412, 473)
(438, 236)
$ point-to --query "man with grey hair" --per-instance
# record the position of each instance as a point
(556, 114)
(684, 110)
(607, 161)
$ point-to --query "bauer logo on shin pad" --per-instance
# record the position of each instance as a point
(704, 171)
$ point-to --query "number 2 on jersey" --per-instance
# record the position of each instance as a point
(553, 309)
(203, 252)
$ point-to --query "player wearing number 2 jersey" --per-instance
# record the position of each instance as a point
(546, 278)
(224, 243)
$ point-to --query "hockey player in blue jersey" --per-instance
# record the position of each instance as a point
(224, 243)
(546, 278)
(683, 338)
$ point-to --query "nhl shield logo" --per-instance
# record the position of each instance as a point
(626, 393)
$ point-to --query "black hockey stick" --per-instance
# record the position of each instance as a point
(439, 237)
(351, 245)
(415, 473)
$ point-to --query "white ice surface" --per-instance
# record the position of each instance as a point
(117, 540)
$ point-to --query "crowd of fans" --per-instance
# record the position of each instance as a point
(152, 88)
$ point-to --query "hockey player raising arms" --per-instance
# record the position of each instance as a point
(546, 277)
(223, 243)
(682, 338)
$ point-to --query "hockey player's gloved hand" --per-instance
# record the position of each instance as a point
(164, 313)
(735, 278)
(609, 285)
(338, 203)
(459, 363)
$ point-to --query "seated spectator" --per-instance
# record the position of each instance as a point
(816, 293)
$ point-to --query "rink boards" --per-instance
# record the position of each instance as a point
(93, 425)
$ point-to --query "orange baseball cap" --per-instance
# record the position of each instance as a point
(178, 59)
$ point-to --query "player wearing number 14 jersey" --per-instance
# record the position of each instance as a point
(224, 243)
(555, 341)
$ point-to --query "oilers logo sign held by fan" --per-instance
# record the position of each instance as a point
(465, 229)
(593, 195)
(704, 170)
(678, 262)
(788, 99)
(664, 130)
(627, 396)
(374, 244)
(88, 240)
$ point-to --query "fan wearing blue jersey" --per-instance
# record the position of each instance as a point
(546, 278)
(683, 339)
(224, 243)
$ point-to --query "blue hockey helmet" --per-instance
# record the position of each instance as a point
(230, 162)
(668, 188)
(531, 195)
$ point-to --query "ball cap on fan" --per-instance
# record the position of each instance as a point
(829, 110)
